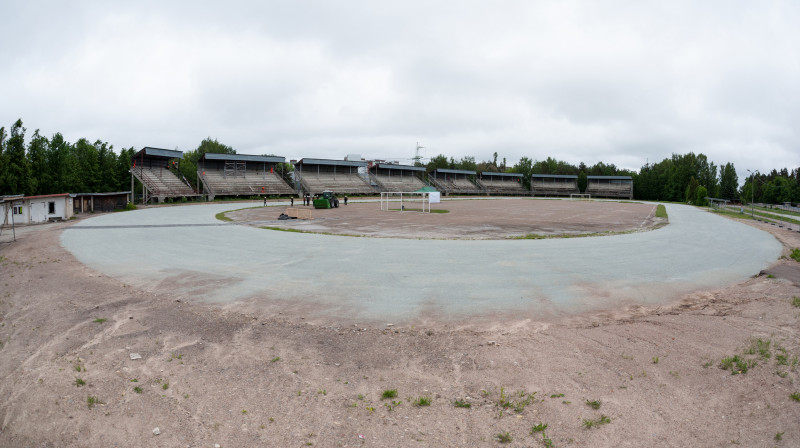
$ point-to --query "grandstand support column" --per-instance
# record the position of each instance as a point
(133, 192)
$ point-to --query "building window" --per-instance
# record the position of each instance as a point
(17, 209)
(51, 208)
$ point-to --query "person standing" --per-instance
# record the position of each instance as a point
(291, 198)
(265, 201)
(345, 199)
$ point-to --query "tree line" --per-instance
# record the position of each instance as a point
(44, 165)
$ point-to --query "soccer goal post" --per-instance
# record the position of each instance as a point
(580, 196)
(413, 201)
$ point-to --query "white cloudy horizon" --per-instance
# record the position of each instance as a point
(580, 81)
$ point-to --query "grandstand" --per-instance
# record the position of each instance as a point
(341, 176)
(610, 186)
(554, 184)
(391, 177)
(453, 181)
(242, 175)
(502, 183)
(157, 170)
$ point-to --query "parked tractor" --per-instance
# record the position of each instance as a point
(326, 200)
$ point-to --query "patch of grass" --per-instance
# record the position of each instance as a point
(548, 443)
(244, 411)
(736, 364)
(275, 359)
(504, 437)
(556, 395)
(518, 402)
(795, 396)
(91, 401)
(79, 382)
(594, 404)
(134, 380)
(655, 360)
(165, 386)
(423, 401)
(781, 360)
(393, 404)
(539, 428)
(137, 389)
(360, 396)
(661, 211)
(770, 276)
(100, 320)
(708, 364)
(796, 302)
(795, 254)
(778, 436)
(389, 393)
(221, 216)
(589, 423)
(462, 404)
(761, 347)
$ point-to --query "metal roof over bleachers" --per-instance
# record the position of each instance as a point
(555, 176)
(330, 162)
(449, 171)
(610, 177)
(244, 157)
(394, 166)
(493, 173)
(159, 153)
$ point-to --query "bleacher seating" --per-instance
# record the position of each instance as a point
(316, 183)
(610, 190)
(398, 183)
(161, 182)
(554, 187)
(244, 183)
(459, 185)
(503, 186)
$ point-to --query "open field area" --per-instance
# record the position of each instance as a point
(469, 219)
(269, 373)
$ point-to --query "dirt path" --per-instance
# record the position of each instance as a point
(238, 377)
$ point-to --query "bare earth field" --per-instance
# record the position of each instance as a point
(240, 376)
(489, 219)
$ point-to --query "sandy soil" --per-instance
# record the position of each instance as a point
(466, 219)
(237, 376)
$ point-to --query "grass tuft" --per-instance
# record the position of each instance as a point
(795, 396)
(462, 404)
(504, 437)
(539, 428)
(79, 382)
(736, 364)
(796, 302)
(423, 401)
(589, 423)
(221, 216)
(389, 393)
(137, 389)
(594, 404)
(795, 254)
(100, 320)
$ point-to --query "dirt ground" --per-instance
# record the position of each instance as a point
(466, 219)
(242, 376)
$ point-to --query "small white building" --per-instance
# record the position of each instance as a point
(38, 209)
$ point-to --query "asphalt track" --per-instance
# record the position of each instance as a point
(185, 250)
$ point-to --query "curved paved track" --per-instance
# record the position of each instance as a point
(186, 250)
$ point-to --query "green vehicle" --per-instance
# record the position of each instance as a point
(326, 200)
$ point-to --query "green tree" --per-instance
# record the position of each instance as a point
(691, 190)
(17, 176)
(41, 177)
(437, 162)
(524, 167)
(728, 182)
(701, 195)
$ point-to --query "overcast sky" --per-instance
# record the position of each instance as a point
(621, 82)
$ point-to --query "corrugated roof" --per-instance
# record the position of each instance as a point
(447, 171)
(244, 157)
(610, 177)
(41, 196)
(101, 194)
(160, 153)
(330, 162)
(393, 166)
(492, 173)
(555, 176)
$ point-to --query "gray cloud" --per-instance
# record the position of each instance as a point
(617, 82)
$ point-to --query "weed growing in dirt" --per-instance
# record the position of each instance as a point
(134, 380)
(244, 411)
(100, 320)
(504, 437)
(674, 373)
(165, 386)
(795, 254)
(360, 396)
(655, 360)
(276, 359)
(518, 401)
(389, 393)
(462, 404)
(779, 436)
(795, 396)
(796, 302)
(393, 404)
(539, 428)
(137, 389)
(736, 364)
(759, 346)
(91, 400)
(770, 276)
(594, 404)
(423, 401)
(589, 423)
(708, 364)
(556, 395)
(79, 382)
(546, 440)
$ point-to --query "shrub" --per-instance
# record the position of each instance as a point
(795, 254)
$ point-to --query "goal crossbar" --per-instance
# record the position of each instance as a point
(406, 201)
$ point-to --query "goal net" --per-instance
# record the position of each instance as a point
(414, 201)
(580, 196)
